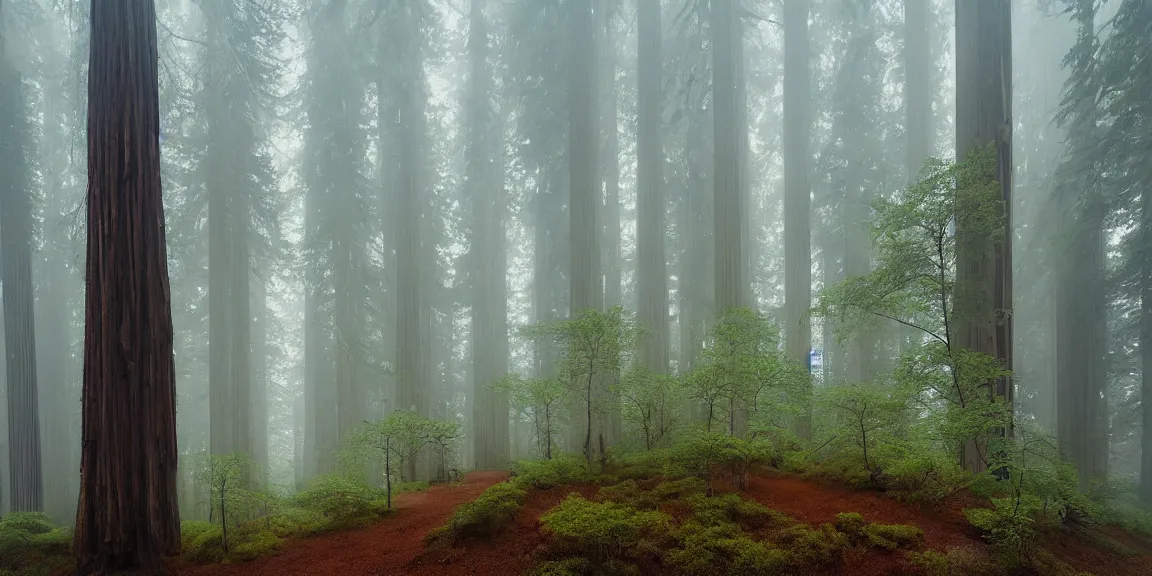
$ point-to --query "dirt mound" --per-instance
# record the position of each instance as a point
(386, 549)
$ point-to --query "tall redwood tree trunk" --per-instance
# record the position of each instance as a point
(127, 517)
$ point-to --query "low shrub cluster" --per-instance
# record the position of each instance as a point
(483, 516)
(626, 526)
(30, 545)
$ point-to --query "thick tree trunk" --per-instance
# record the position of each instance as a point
(652, 275)
(611, 164)
(983, 115)
(260, 379)
(797, 191)
(127, 516)
(24, 462)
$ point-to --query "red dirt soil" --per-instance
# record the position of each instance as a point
(384, 549)
(396, 545)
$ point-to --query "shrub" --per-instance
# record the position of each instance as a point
(254, 545)
(671, 489)
(1008, 525)
(600, 530)
(812, 547)
(893, 536)
(339, 499)
(494, 508)
(852, 524)
(732, 508)
(544, 474)
(628, 494)
(722, 549)
(203, 542)
(30, 545)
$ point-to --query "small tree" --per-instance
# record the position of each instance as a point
(914, 284)
(540, 400)
(744, 366)
(596, 345)
(396, 439)
(442, 436)
(652, 403)
(863, 408)
(226, 477)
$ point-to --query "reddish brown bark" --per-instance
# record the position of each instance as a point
(127, 517)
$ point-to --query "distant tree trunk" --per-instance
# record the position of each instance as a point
(917, 86)
(260, 379)
(728, 210)
(584, 270)
(652, 275)
(489, 326)
(127, 517)
(1081, 289)
(221, 158)
(797, 192)
(240, 329)
(24, 463)
(983, 115)
(611, 164)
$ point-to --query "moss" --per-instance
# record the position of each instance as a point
(893, 536)
(253, 546)
(544, 474)
(748, 514)
(486, 514)
(31, 546)
(722, 549)
(851, 523)
(931, 562)
(600, 530)
(680, 488)
(812, 547)
(629, 494)
(30, 522)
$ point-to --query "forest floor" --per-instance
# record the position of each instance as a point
(396, 546)
(388, 548)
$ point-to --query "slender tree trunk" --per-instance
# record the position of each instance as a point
(127, 517)
(983, 115)
(24, 462)
(260, 376)
(797, 192)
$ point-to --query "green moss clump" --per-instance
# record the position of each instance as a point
(31, 546)
(723, 549)
(812, 547)
(203, 542)
(253, 546)
(493, 509)
(545, 474)
(564, 567)
(893, 536)
(629, 494)
(851, 524)
(601, 531)
(748, 514)
(680, 488)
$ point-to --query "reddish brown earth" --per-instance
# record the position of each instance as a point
(396, 546)
(385, 549)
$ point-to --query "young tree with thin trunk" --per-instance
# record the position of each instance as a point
(127, 517)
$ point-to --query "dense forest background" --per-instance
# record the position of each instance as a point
(366, 201)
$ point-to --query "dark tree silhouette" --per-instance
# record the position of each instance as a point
(127, 517)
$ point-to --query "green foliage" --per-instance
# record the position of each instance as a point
(742, 365)
(395, 440)
(483, 516)
(886, 536)
(541, 399)
(651, 406)
(672, 489)
(544, 474)
(628, 494)
(595, 345)
(701, 453)
(564, 567)
(30, 545)
(339, 499)
(1008, 525)
(731, 508)
(866, 413)
(722, 549)
(600, 531)
(914, 283)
